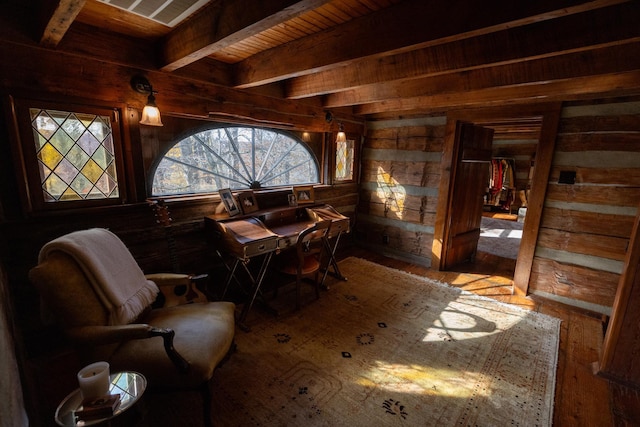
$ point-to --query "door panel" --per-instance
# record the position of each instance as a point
(469, 184)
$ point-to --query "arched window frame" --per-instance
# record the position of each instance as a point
(312, 156)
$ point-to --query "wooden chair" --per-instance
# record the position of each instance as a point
(306, 260)
(97, 295)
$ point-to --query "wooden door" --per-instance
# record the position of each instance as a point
(470, 178)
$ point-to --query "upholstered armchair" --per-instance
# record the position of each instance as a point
(94, 290)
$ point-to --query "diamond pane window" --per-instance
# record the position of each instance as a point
(235, 158)
(75, 153)
(344, 160)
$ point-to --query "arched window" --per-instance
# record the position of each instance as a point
(233, 157)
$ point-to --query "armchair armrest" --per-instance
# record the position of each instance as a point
(114, 334)
(178, 288)
(169, 279)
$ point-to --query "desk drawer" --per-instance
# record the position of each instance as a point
(259, 247)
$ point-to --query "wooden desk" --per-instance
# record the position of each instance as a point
(264, 233)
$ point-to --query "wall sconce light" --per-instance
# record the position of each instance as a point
(150, 112)
(306, 136)
(341, 136)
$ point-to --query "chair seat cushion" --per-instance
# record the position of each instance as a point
(309, 266)
(203, 335)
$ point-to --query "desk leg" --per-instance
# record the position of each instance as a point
(332, 261)
(257, 283)
(231, 273)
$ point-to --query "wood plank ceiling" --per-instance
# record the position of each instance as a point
(380, 58)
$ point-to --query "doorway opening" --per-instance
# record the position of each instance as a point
(526, 136)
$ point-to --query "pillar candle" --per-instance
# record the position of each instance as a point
(94, 380)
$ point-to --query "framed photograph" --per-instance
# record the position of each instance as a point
(248, 202)
(292, 200)
(304, 194)
(229, 202)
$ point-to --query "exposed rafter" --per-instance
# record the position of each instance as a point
(223, 23)
(408, 25)
(58, 17)
(367, 57)
(539, 40)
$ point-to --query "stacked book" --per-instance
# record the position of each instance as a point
(97, 408)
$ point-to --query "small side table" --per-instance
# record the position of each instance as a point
(129, 385)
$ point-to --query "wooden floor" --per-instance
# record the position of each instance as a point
(581, 398)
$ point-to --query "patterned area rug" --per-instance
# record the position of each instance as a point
(387, 348)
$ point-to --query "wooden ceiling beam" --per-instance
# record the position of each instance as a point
(177, 96)
(609, 85)
(606, 60)
(58, 17)
(572, 33)
(223, 23)
(406, 25)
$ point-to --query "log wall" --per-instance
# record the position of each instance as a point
(586, 226)
(399, 187)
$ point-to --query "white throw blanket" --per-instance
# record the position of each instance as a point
(111, 269)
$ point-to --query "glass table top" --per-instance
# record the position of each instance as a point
(129, 385)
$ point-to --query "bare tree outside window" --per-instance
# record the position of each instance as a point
(235, 158)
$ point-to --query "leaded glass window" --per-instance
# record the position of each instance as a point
(75, 155)
(344, 160)
(234, 157)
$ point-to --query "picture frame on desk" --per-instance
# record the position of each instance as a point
(229, 202)
(248, 202)
(304, 194)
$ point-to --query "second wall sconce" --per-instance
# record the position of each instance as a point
(150, 112)
(341, 136)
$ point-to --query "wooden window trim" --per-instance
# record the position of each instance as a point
(331, 159)
(24, 156)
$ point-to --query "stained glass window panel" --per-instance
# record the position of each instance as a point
(75, 153)
(344, 160)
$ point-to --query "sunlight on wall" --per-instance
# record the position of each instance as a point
(419, 379)
(391, 193)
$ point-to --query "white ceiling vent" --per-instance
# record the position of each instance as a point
(167, 12)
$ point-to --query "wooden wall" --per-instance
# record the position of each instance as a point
(62, 77)
(586, 226)
(399, 187)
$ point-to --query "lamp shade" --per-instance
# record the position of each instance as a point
(151, 116)
(150, 112)
(341, 136)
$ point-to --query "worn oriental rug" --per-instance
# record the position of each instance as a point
(387, 348)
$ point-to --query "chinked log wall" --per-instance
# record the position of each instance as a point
(586, 227)
(399, 186)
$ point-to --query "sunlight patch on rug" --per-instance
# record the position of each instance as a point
(388, 348)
